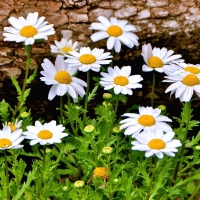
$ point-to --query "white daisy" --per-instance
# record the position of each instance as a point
(183, 85)
(14, 125)
(156, 142)
(88, 59)
(28, 30)
(194, 69)
(48, 133)
(120, 80)
(160, 60)
(116, 31)
(62, 79)
(64, 46)
(9, 139)
(147, 119)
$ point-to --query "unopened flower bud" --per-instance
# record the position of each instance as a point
(65, 188)
(24, 114)
(107, 150)
(48, 150)
(107, 96)
(116, 129)
(163, 108)
(89, 129)
(78, 108)
(79, 184)
(197, 147)
(106, 104)
(116, 180)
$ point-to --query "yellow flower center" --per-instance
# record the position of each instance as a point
(155, 62)
(191, 80)
(45, 134)
(87, 59)
(66, 49)
(121, 80)
(157, 144)
(114, 31)
(63, 77)
(101, 172)
(146, 120)
(28, 31)
(193, 70)
(4, 142)
(12, 126)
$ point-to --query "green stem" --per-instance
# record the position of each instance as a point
(153, 88)
(194, 193)
(86, 98)
(39, 186)
(151, 182)
(109, 172)
(70, 121)
(15, 169)
(188, 106)
(44, 158)
(116, 106)
(7, 177)
(28, 61)
(115, 113)
(61, 109)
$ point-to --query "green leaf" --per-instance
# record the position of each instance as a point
(30, 178)
(122, 98)
(23, 99)
(3, 181)
(4, 111)
(32, 77)
(127, 183)
(188, 180)
(93, 94)
(15, 83)
(193, 123)
(194, 141)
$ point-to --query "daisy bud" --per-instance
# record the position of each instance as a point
(107, 150)
(78, 108)
(24, 115)
(163, 108)
(107, 104)
(107, 96)
(89, 129)
(79, 184)
(116, 180)
(65, 188)
(116, 129)
(197, 147)
(48, 150)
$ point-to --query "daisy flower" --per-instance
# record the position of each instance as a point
(88, 59)
(147, 119)
(156, 142)
(194, 69)
(183, 85)
(120, 80)
(14, 125)
(160, 60)
(116, 31)
(9, 139)
(64, 46)
(28, 30)
(62, 79)
(47, 133)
